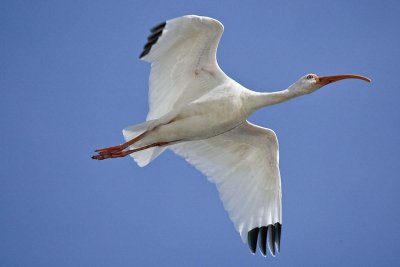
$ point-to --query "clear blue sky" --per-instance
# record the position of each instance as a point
(70, 80)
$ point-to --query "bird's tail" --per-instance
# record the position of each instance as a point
(142, 157)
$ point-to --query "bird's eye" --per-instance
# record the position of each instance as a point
(309, 77)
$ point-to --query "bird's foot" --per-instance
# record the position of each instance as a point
(120, 147)
(118, 151)
(109, 154)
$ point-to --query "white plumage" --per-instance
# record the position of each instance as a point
(243, 163)
(201, 114)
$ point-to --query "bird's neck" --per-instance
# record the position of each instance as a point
(257, 100)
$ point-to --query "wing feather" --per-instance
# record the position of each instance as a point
(244, 165)
(182, 53)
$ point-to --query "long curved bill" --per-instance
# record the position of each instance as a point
(324, 80)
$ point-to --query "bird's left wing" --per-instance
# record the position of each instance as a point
(182, 53)
(243, 163)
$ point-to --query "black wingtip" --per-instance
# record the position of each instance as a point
(270, 234)
(278, 229)
(252, 239)
(144, 52)
(271, 244)
(262, 240)
(159, 26)
(153, 38)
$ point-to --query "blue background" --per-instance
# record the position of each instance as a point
(70, 80)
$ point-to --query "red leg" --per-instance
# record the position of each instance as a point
(122, 146)
(106, 154)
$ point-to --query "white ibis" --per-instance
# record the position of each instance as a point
(201, 114)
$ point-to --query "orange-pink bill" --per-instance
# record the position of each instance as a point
(324, 80)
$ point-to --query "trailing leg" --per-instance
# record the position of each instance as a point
(121, 146)
(110, 153)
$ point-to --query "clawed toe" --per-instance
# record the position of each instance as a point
(98, 157)
(107, 154)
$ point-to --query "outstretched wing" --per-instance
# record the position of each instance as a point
(182, 53)
(244, 165)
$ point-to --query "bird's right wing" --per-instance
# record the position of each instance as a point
(243, 163)
(182, 53)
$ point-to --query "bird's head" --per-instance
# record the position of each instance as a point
(311, 82)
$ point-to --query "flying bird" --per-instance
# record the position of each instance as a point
(200, 113)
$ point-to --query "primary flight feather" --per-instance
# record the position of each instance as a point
(201, 114)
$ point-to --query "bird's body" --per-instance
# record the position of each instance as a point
(201, 114)
(202, 118)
